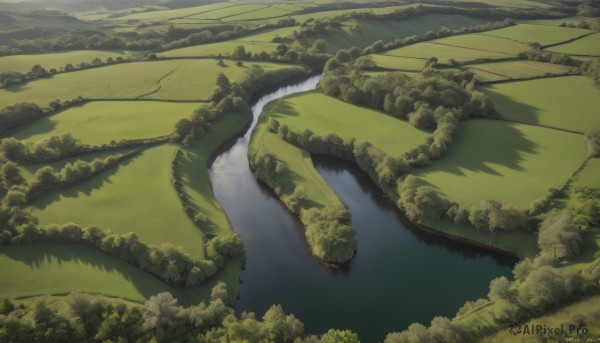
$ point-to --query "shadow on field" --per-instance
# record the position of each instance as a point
(512, 109)
(480, 144)
(38, 256)
(84, 187)
(42, 125)
(284, 109)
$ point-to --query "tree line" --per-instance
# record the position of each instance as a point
(84, 317)
(17, 115)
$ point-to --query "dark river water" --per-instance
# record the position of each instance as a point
(400, 275)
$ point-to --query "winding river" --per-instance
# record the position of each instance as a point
(400, 275)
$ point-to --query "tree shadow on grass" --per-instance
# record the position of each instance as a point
(42, 125)
(84, 187)
(512, 109)
(284, 109)
(480, 143)
(37, 255)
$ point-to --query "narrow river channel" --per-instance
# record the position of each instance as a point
(399, 276)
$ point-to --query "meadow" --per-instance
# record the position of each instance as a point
(508, 162)
(518, 69)
(188, 80)
(222, 48)
(398, 63)
(320, 113)
(542, 34)
(444, 53)
(363, 32)
(49, 268)
(587, 46)
(483, 42)
(100, 122)
(23, 63)
(153, 212)
(569, 102)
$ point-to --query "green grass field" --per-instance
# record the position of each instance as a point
(484, 42)
(173, 79)
(371, 30)
(543, 34)
(263, 13)
(508, 162)
(517, 69)
(135, 197)
(445, 52)
(569, 102)
(23, 63)
(100, 122)
(399, 63)
(589, 46)
(35, 269)
(153, 16)
(324, 115)
(301, 171)
(486, 76)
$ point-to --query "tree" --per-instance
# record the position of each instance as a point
(339, 336)
(12, 174)
(559, 236)
(593, 141)
(319, 46)
(160, 311)
(499, 288)
(239, 53)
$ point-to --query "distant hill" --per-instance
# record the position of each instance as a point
(12, 21)
(71, 6)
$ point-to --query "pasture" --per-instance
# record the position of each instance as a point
(189, 80)
(483, 42)
(542, 34)
(398, 63)
(221, 48)
(137, 196)
(49, 268)
(97, 123)
(569, 102)
(508, 162)
(23, 63)
(324, 115)
(587, 46)
(519, 69)
(444, 53)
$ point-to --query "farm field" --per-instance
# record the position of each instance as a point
(399, 63)
(317, 112)
(508, 162)
(483, 42)
(549, 102)
(48, 268)
(222, 48)
(486, 76)
(97, 123)
(151, 16)
(23, 63)
(518, 69)
(445, 52)
(587, 46)
(133, 206)
(189, 80)
(543, 34)
(370, 30)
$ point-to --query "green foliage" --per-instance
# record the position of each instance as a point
(593, 141)
(558, 236)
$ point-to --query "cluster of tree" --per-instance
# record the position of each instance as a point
(328, 231)
(590, 25)
(84, 317)
(549, 57)
(593, 142)
(198, 218)
(558, 236)
(592, 70)
(57, 148)
(12, 117)
(586, 214)
(589, 8)
(538, 288)
(166, 262)
(314, 56)
(421, 202)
